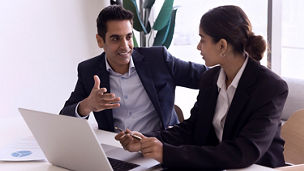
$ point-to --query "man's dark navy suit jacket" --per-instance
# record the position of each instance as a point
(159, 73)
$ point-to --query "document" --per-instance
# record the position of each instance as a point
(25, 149)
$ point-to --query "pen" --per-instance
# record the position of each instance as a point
(134, 136)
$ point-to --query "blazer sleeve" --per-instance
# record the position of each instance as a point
(185, 74)
(76, 96)
(245, 149)
(181, 133)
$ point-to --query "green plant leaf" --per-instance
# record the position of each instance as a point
(134, 41)
(161, 35)
(165, 35)
(169, 37)
(164, 15)
(148, 3)
(137, 23)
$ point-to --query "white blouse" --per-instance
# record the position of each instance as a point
(224, 99)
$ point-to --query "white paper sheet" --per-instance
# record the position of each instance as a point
(25, 149)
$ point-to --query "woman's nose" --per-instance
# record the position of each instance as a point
(198, 46)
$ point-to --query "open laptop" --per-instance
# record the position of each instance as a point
(71, 143)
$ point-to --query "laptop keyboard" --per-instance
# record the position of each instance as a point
(119, 165)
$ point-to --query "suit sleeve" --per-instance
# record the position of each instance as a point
(76, 96)
(179, 134)
(248, 147)
(185, 74)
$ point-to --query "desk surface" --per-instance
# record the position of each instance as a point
(13, 129)
(299, 167)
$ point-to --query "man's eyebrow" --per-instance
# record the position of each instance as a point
(114, 36)
(201, 35)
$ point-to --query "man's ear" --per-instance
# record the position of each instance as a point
(222, 46)
(100, 41)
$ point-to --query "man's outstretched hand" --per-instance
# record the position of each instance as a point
(98, 100)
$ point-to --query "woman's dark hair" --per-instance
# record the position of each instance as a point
(112, 12)
(232, 24)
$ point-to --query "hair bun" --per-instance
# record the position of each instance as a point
(255, 47)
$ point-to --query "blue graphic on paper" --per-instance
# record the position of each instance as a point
(21, 153)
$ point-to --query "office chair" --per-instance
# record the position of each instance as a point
(179, 113)
(295, 98)
(293, 134)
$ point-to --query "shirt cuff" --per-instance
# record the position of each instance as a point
(77, 114)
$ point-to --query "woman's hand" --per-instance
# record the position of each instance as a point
(151, 147)
(128, 142)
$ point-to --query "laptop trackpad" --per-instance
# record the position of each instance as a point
(132, 157)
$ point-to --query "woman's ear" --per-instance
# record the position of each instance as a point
(222, 46)
(100, 41)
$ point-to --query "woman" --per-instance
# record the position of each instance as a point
(236, 119)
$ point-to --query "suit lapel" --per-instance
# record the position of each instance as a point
(206, 100)
(207, 114)
(103, 74)
(145, 75)
(240, 98)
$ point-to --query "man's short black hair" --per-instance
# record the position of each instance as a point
(112, 12)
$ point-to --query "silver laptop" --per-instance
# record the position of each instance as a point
(71, 143)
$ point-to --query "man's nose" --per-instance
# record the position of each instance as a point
(124, 44)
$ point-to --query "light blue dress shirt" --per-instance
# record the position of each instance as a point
(136, 111)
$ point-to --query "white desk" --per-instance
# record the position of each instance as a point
(13, 129)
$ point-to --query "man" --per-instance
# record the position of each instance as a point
(138, 84)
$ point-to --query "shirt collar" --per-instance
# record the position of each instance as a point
(221, 81)
(131, 66)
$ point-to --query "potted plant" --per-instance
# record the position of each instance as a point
(163, 25)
